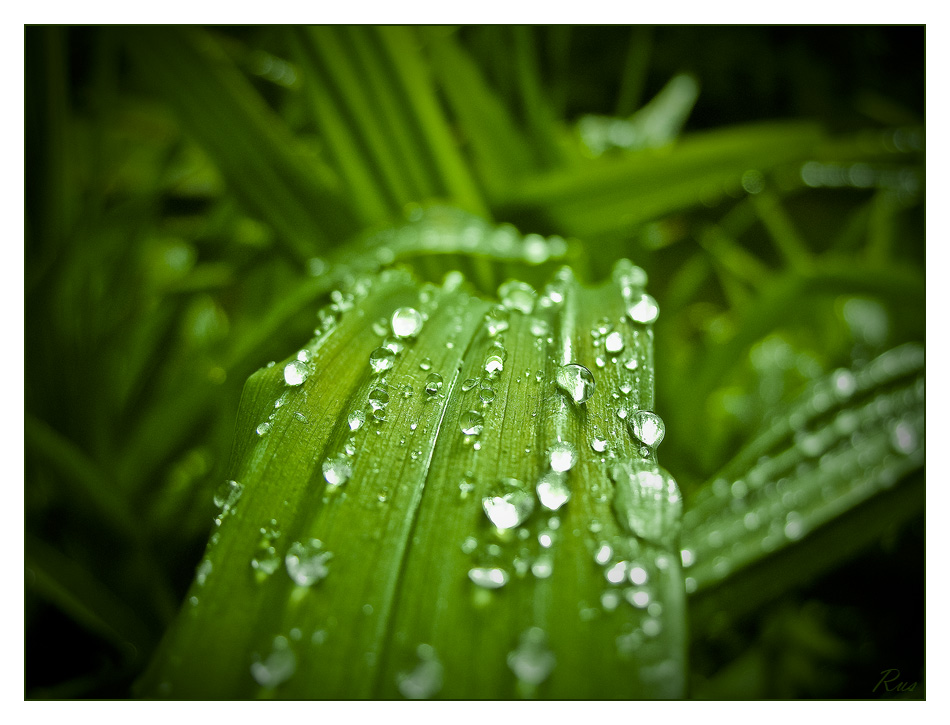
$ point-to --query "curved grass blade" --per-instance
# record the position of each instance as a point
(850, 438)
(385, 537)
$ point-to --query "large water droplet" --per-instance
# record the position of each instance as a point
(433, 383)
(647, 501)
(279, 666)
(532, 661)
(426, 679)
(296, 372)
(643, 309)
(577, 381)
(488, 578)
(406, 322)
(553, 491)
(510, 506)
(227, 495)
(562, 456)
(647, 427)
(337, 471)
(307, 562)
(517, 296)
(381, 359)
(471, 423)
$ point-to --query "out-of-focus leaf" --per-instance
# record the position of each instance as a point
(447, 563)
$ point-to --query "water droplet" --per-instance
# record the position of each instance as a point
(647, 427)
(486, 395)
(614, 342)
(202, 572)
(517, 296)
(617, 573)
(542, 567)
(337, 471)
(532, 661)
(265, 560)
(381, 359)
(279, 666)
(637, 575)
(296, 372)
(604, 554)
(553, 491)
(356, 419)
(406, 322)
(637, 597)
(307, 562)
(647, 501)
(539, 327)
(510, 506)
(263, 428)
(643, 309)
(281, 400)
(469, 384)
(577, 381)
(495, 361)
(227, 495)
(426, 679)
(688, 557)
(904, 437)
(378, 398)
(488, 578)
(471, 423)
(433, 383)
(496, 320)
(598, 444)
(562, 456)
(632, 364)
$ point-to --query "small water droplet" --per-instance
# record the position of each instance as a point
(617, 573)
(202, 572)
(637, 575)
(227, 494)
(469, 384)
(495, 360)
(637, 597)
(643, 309)
(542, 567)
(381, 359)
(378, 398)
(553, 491)
(426, 679)
(613, 343)
(263, 428)
(337, 471)
(265, 560)
(496, 320)
(425, 363)
(406, 322)
(471, 423)
(486, 395)
(296, 372)
(510, 506)
(433, 383)
(648, 428)
(632, 364)
(532, 661)
(516, 295)
(306, 562)
(598, 444)
(604, 554)
(562, 456)
(356, 419)
(278, 667)
(904, 437)
(577, 381)
(488, 578)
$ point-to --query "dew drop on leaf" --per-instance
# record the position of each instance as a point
(471, 423)
(381, 359)
(647, 427)
(356, 419)
(532, 661)
(406, 322)
(469, 384)
(488, 577)
(613, 343)
(510, 506)
(577, 381)
(425, 363)
(496, 320)
(516, 295)
(306, 562)
(433, 383)
(378, 398)
(553, 491)
(643, 309)
(278, 667)
(426, 679)
(227, 495)
(562, 456)
(598, 444)
(337, 471)
(296, 372)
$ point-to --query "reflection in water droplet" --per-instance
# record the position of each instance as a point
(263, 428)
(577, 381)
(553, 491)
(433, 383)
(488, 578)
(469, 384)
(378, 398)
(532, 661)
(296, 372)
(471, 423)
(307, 562)
(279, 666)
(543, 566)
(426, 679)
(337, 471)
(381, 359)
(406, 322)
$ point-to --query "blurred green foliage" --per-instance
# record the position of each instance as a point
(191, 193)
